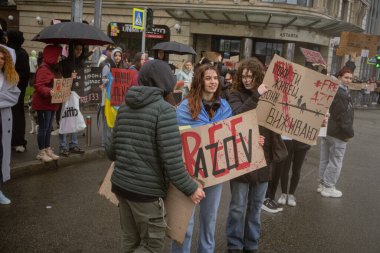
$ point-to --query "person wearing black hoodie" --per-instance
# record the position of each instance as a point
(15, 41)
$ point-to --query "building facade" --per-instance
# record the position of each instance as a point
(235, 28)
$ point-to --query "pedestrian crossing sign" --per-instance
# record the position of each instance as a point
(138, 21)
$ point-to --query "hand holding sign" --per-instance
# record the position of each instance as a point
(198, 195)
(262, 89)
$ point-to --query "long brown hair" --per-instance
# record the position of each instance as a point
(251, 64)
(195, 93)
(8, 69)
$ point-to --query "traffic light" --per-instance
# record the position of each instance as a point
(377, 57)
(149, 20)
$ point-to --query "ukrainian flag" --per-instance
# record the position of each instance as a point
(110, 111)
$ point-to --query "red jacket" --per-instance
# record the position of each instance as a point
(44, 80)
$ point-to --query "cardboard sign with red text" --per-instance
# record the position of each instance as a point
(297, 100)
(218, 152)
(122, 80)
(62, 90)
(313, 56)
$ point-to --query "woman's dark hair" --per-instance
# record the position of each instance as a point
(343, 71)
(251, 64)
(195, 94)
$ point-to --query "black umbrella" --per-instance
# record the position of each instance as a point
(173, 47)
(67, 32)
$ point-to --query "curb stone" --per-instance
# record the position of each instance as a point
(32, 167)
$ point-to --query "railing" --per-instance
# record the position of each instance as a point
(306, 3)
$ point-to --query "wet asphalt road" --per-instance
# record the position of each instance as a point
(60, 211)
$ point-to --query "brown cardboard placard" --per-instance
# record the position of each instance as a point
(313, 56)
(62, 90)
(353, 44)
(105, 187)
(218, 152)
(296, 101)
(179, 209)
(178, 206)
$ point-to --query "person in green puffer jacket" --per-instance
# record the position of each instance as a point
(146, 147)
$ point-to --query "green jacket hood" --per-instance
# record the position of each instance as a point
(140, 96)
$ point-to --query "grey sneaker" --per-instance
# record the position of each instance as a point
(331, 192)
(4, 200)
(320, 188)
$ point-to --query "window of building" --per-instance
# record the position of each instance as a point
(265, 50)
(307, 3)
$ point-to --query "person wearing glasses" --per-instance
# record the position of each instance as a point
(248, 191)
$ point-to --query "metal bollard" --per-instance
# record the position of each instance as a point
(88, 130)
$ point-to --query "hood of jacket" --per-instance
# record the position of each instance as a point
(114, 52)
(157, 73)
(51, 53)
(140, 96)
(33, 54)
(15, 39)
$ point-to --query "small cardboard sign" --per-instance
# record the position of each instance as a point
(218, 152)
(297, 100)
(353, 44)
(62, 90)
(313, 56)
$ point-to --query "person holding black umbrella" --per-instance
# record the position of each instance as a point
(70, 66)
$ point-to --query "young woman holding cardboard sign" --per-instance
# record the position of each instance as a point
(43, 92)
(202, 106)
(248, 191)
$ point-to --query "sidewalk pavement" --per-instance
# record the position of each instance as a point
(26, 163)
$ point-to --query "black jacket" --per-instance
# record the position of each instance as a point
(243, 101)
(341, 121)
(15, 41)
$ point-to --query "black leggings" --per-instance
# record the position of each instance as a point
(297, 156)
(297, 152)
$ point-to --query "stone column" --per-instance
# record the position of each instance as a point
(246, 48)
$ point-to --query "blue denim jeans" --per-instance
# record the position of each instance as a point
(106, 131)
(331, 160)
(63, 141)
(207, 221)
(243, 221)
(45, 120)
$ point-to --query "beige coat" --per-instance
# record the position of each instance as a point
(8, 98)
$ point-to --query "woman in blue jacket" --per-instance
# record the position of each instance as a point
(202, 106)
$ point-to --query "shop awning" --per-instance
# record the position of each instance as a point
(317, 22)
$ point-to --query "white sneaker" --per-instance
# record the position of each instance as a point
(291, 200)
(282, 199)
(43, 156)
(331, 192)
(4, 200)
(55, 132)
(320, 188)
(20, 149)
(51, 154)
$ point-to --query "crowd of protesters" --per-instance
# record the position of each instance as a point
(145, 142)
